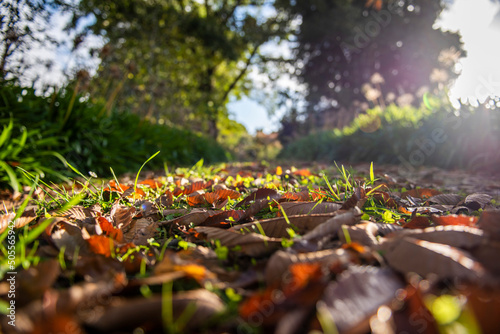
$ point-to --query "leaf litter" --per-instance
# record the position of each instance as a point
(257, 249)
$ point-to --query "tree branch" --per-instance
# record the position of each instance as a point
(242, 73)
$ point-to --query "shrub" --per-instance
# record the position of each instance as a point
(41, 132)
(411, 136)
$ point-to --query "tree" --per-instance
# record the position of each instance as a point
(23, 27)
(177, 61)
(352, 55)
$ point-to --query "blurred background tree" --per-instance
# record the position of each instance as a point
(24, 26)
(356, 54)
(176, 61)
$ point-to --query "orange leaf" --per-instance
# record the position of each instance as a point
(113, 186)
(101, 244)
(302, 196)
(302, 274)
(151, 183)
(421, 193)
(418, 222)
(253, 305)
(403, 210)
(454, 220)
(196, 199)
(302, 172)
(193, 270)
(110, 230)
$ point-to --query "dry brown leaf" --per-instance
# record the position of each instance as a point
(477, 201)
(417, 222)
(123, 315)
(140, 231)
(384, 229)
(79, 213)
(6, 219)
(485, 304)
(277, 227)
(121, 216)
(280, 261)
(33, 282)
(68, 237)
(195, 217)
(422, 257)
(251, 244)
(490, 222)
(307, 208)
(332, 226)
(363, 234)
(445, 199)
(456, 236)
(356, 296)
(259, 194)
(487, 254)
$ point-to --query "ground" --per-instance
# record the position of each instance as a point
(254, 248)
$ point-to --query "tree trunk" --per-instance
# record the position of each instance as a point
(213, 130)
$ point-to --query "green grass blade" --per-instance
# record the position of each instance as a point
(139, 172)
(372, 175)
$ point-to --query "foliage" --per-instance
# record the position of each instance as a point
(37, 129)
(409, 136)
(352, 56)
(178, 61)
(28, 148)
(23, 27)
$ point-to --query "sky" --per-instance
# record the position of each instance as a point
(480, 70)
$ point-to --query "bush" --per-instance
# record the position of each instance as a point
(410, 136)
(41, 133)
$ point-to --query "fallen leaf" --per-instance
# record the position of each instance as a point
(259, 194)
(460, 220)
(421, 193)
(195, 217)
(109, 230)
(333, 225)
(140, 231)
(418, 222)
(445, 199)
(490, 222)
(6, 220)
(422, 257)
(477, 201)
(122, 315)
(251, 244)
(363, 234)
(277, 227)
(101, 244)
(453, 235)
(223, 219)
(301, 196)
(306, 208)
(280, 262)
(356, 296)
